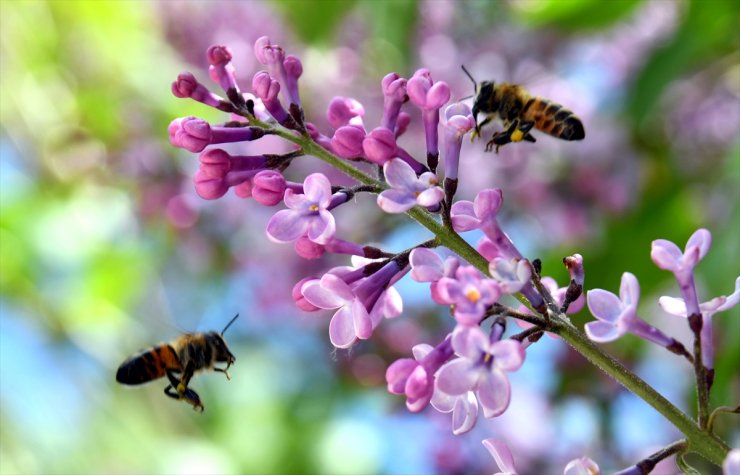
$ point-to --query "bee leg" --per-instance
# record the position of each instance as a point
(224, 371)
(187, 374)
(476, 133)
(498, 139)
(190, 396)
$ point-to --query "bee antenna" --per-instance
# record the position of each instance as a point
(229, 324)
(475, 83)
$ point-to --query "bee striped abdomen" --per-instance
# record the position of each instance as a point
(553, 119)
(148, 365)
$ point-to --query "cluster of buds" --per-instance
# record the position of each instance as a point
(468, 368)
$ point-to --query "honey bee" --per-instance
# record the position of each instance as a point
(179, 360)
(521, 112)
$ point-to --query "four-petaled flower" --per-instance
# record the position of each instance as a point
(308, 213)
(482, 368)
(469, 292)
(408, 190)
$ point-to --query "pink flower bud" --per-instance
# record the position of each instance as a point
(293, 66)
(218, 55)
(265, 87)
(347, 141)
(300, 300)
(268, 187)
(184, 85)
(379, 145)
(308, 249)
(343, 111)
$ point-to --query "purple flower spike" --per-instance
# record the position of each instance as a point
(307, 213)
(345, 111)
(469, 292)
(582, 466)
(221, 69)
(618, 315)
(379, 145)
(407, 190)
(187, 86)
(394, 95)
(482, 368)
(458, 121)
(429, 97)
(502, 455)
(677, 307)
(512, 274)
(668, 256)
(415, 377)
(347, 142)
(268, 89)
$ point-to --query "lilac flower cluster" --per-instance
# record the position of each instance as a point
(468, 369)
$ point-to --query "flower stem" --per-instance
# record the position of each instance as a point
(699, 440)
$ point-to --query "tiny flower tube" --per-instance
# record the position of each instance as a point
(293, 71)
(458, 122)
(345, 111)
(186, 86)
(429, 97)
(308, 213)
(502, 455)
(394, 95)
(618, 315)
(668, 256)
(415, 378)
(300, 300)
(268, 89)
(221, 69)
(194, 134)
(310, 250)
(318, 137)
(406, 189)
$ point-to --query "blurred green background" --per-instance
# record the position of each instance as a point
(105, 248)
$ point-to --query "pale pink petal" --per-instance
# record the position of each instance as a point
(430, 196)
(392, 303)
(342, 328)
(469, 342)
(464, 413)
(317, 189)
(426, 265)
(487, 203)
(604, 305)
(673, 306)
(399, 174)
(287, 225)
(319, 296)
(582, 466)
(334, 283)
(732, 299)
(493, 393)
(397, 374)
(602, 332)
(362, 322)
(442, 401)
(508, 355)
(463, 216)
(457, 376)
(629, 290)
(501, 454)
(322, 229)
(701, 239)
(666, 255)
(417, 386)
(293, 200)
(396, 201)
(421, 350)
(448, 290)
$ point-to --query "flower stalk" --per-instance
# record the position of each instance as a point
(698, 440)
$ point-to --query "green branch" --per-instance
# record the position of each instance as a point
(699, 441)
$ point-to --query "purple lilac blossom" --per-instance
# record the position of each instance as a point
(221, 70)
(406, 189)
(676, 306)
(267, 89)
(618, 315)
(502, 455)
(512, 274)
(429, 97)
(668, 256)
(394, 95)
(458, 122)
(415, 377)
(186, 85)
(307, 213)
(481, 367)
(469, 292)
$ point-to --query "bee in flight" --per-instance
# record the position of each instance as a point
(179, 360)
(519, 113)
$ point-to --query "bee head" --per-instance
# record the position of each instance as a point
(221, 351)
